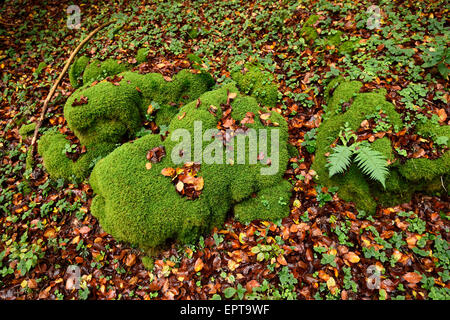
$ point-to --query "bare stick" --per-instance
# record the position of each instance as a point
(55, 85)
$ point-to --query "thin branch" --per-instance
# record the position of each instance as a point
(55, 85)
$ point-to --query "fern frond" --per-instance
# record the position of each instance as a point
(339, 160)
(372, 163)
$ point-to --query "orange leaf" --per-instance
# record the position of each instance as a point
(352, 257)
(168, 172)
(50, 233)
(198, 265)
(442, 115)
(251, 284)
(131, 260)
(412, 277)
(199, 183)
(281, 260)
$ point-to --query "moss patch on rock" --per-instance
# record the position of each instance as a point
(142, 206)
(99, 70)
(254, 81)
(308, 32)
(110, 112)
(138, 204)
(76, 71)
(345, 105)
(141, 55)
(27, 130)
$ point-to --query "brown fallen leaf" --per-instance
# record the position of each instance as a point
(412, 277)
(84, 229)
(442, 115)
(282, 260)
(351, 257)
(131, 260)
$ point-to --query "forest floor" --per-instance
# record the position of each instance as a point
(325, 249)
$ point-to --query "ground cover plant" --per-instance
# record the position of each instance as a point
(348, 82)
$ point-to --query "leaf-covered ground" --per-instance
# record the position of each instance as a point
(325, 249)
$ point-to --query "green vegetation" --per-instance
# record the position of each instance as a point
(141, 55)
(98, 70)
(254, 81)
(403, 179)
(111, 112)
(308, 32)
(27, 130)
(76, 71)
(142, 206)
(369, 161)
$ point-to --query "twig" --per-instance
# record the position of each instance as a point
(55, 85)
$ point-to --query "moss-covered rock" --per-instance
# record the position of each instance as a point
(348, 46)
(76, 71)
(27, 130)
(112, 111)
(254, 81)
(98, 70)
(137, 203)
(403, 180)
(141, 206)
(141, 55)
(307, 31)
(52, 146)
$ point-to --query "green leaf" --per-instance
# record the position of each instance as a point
(229, 292)
(339, 160)
(372, 163)
(443, 70)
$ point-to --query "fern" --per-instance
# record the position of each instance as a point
(339, 160)
(372, 163)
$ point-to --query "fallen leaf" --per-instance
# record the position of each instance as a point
(412, 277)
(198, 265)
(131, 260)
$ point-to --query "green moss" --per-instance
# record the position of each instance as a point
(429, 129)
(52, 148)
(256, 82)
(76, 71)
(148, 262)
(29, 161)
(383, 146)
(308, 32)
(27, 130)
(113, 114)
(141, 55)
(343, 93)
(418, 169)
(97, 70)
(426, 169)
(142, 206)
(268, 201)
(335, 38)
(403, 180)
(348, 46)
